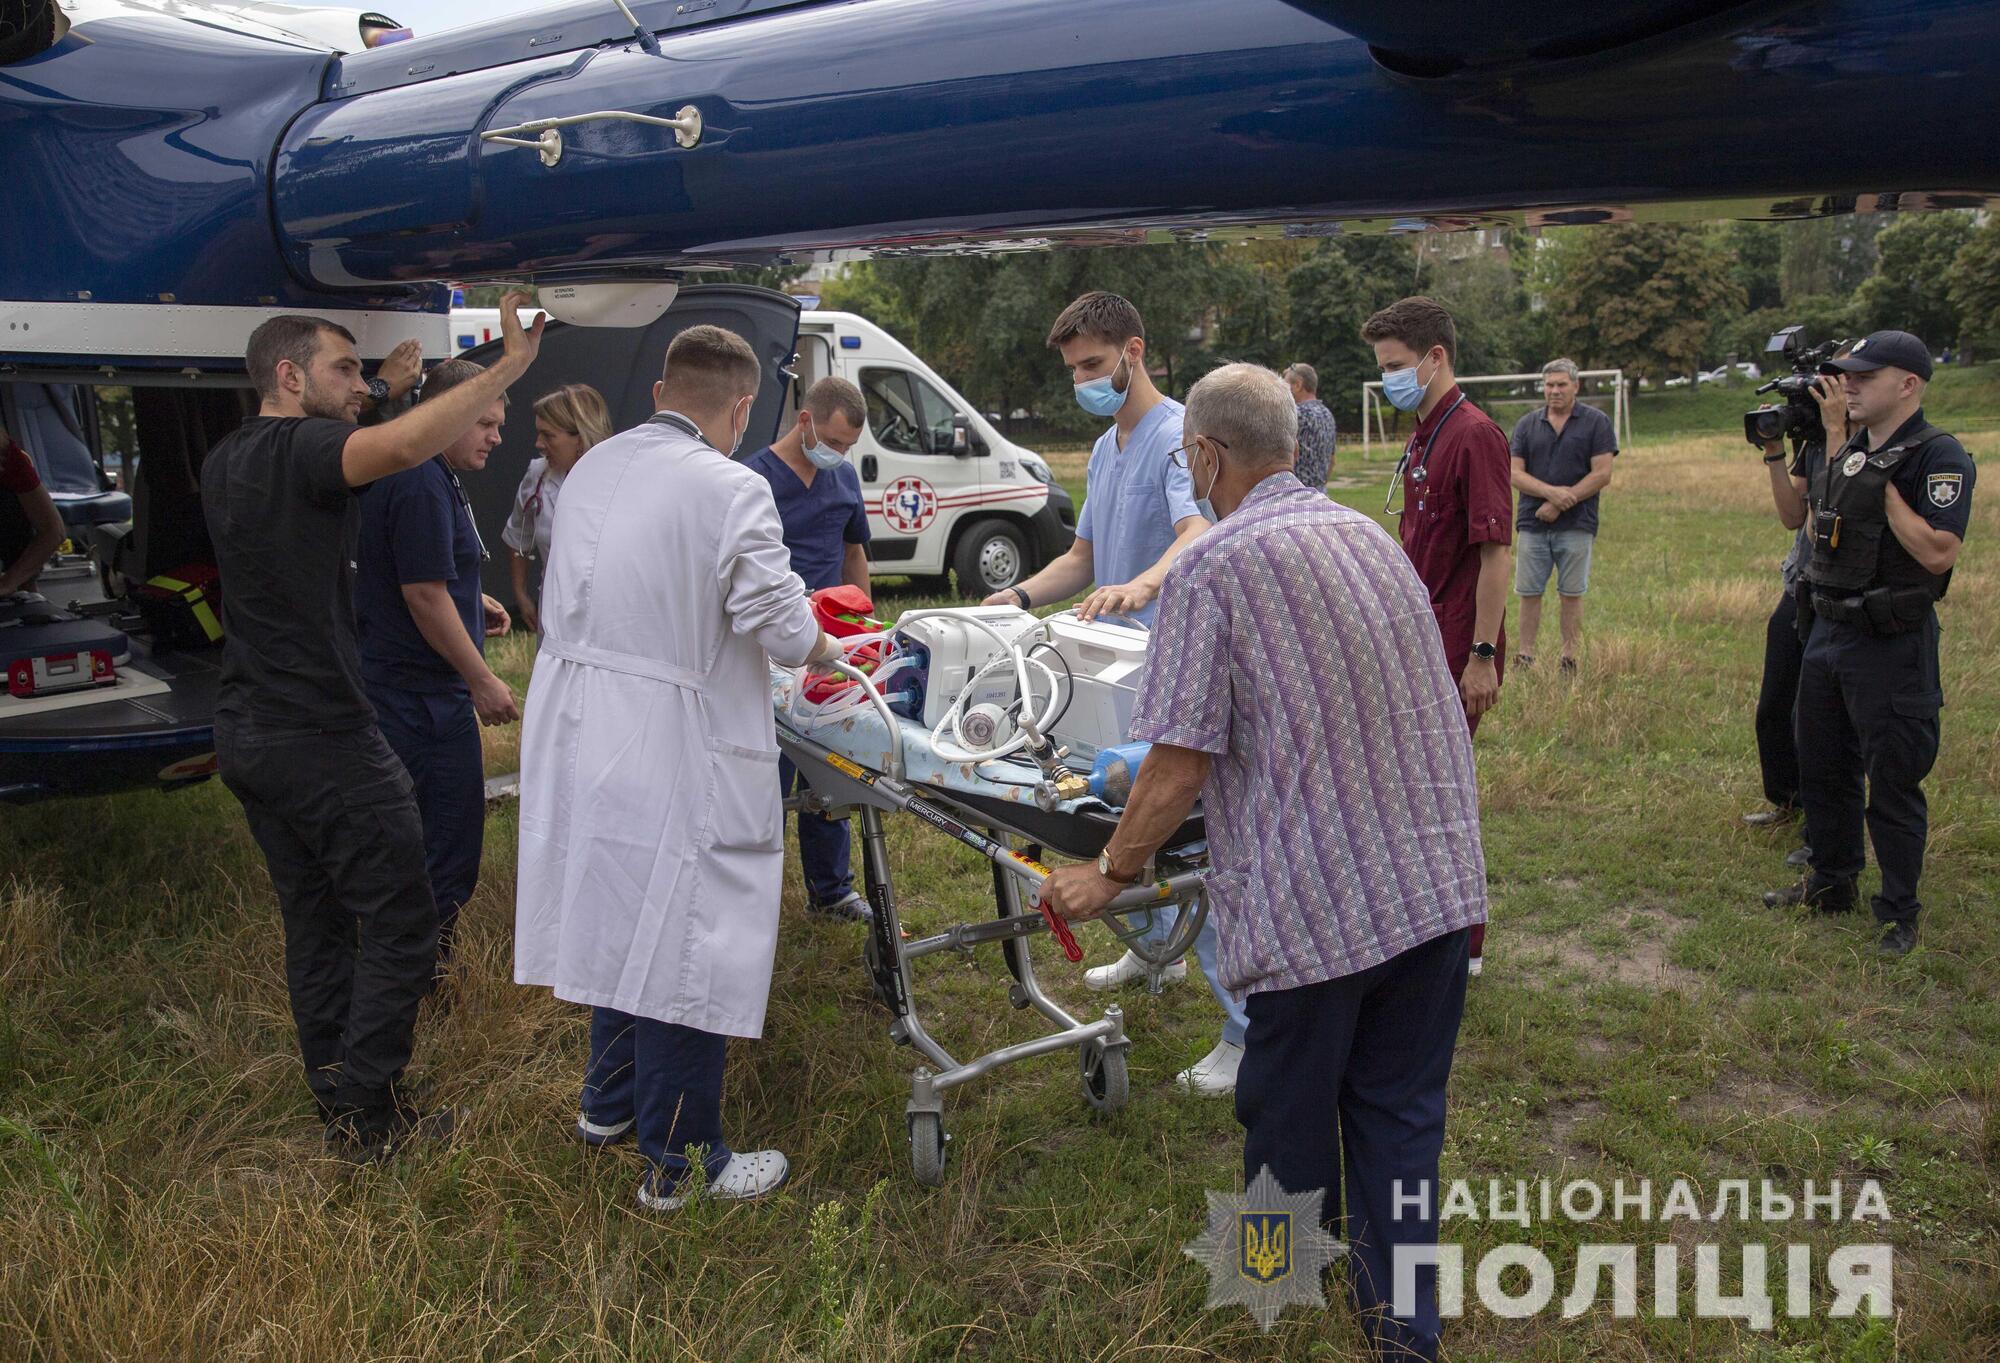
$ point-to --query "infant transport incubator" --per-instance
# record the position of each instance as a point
(1007, 734)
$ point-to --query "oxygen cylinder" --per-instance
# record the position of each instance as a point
(1115, 772)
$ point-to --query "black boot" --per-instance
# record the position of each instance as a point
(371, 1135)
(1898, 939)
(1822, 896)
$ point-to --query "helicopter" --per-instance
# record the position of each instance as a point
(179, 171)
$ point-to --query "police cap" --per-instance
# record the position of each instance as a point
(1880, 350)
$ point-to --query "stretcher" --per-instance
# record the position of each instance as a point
(866, 758)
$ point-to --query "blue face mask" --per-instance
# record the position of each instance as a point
(1203, 504)
(1404, 389)
(1099, 397)
(822, 455)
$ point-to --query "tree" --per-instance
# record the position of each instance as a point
(1329, 296)
(1643, 297)
(1758, 249)
(1827, 255)
(1974, 282)
(1910, 289)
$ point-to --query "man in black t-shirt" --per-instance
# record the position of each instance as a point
(1886, 514)
(295, 737)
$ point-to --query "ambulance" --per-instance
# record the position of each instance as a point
(946, 492)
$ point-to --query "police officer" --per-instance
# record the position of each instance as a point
(1886, 514)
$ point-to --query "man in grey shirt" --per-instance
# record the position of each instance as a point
(1317, 429)
(1562, 461)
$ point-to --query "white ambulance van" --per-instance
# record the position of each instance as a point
(946, 492)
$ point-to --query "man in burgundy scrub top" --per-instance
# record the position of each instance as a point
(1457, 516)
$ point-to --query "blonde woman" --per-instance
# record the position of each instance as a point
(567, 422)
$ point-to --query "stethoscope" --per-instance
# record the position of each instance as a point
(1418, 470)
(531, 510)
(470, 519)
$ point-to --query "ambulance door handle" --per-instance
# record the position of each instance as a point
(868, 468)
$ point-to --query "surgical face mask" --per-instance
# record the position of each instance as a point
(1102, 397)
(1404, 389)
(1203, 504)
(736, 433)
(823, 456)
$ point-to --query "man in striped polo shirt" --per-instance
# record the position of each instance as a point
(1343, 828)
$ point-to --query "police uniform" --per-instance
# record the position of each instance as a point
(1869, 690)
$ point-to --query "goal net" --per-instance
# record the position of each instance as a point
(1613, 399)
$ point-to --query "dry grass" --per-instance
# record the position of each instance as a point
(163, 1196)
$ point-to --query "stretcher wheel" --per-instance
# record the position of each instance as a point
(927, 1148)
(1107, 1083)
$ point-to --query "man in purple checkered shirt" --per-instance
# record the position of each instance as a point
(1296, 683)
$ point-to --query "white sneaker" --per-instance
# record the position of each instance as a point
(745, 1176)
(1127, 969)
(1214, 1073)
(596, 1134)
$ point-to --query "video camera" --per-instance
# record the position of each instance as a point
(1798, 417)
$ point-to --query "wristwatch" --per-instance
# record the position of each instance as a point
(1104, 869)
(1021, 595)
(378, 390)
(1484, 651)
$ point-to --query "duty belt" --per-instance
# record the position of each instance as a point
(1883, 611)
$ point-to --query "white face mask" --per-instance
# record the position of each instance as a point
(736, 433)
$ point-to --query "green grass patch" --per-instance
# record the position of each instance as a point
(163, 1195)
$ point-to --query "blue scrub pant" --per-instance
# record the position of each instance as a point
(664, 1078)
(436, 734)
(1234, 1019)
(1342, 1089)
(823, 845)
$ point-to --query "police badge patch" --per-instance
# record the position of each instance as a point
(1264, 1249)
(1944, 487)
(1854, 463)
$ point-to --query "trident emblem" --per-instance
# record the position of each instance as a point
(1267, 1245)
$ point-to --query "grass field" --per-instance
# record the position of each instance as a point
(163, 1195)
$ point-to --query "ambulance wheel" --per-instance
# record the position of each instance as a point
(927, 1152)
(992, 555)
(1107, 1083)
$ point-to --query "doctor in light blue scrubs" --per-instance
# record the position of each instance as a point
(1139, 512)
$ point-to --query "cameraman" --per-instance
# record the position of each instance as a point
(1886, 515)
(1784, 641)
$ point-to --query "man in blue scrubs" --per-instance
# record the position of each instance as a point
(1139, 512)
(422, 624)
(826, 529)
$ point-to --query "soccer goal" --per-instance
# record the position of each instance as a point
(1374, 424)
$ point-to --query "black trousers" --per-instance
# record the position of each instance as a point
(1777, 751)
(1342, 1088)
(341, 835)
(436, 736)
(1868, 724)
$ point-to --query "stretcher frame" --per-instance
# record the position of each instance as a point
(838, 785)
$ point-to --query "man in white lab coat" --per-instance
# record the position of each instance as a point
(651, 857)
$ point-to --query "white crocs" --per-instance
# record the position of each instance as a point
(1214, 1073)
(745, 1176)
(1128, 968)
